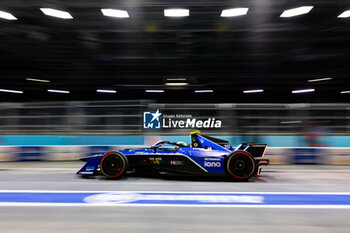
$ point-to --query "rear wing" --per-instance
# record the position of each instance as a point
(203, 141)
(255, 149)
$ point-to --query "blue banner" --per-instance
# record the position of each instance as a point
(307, 200)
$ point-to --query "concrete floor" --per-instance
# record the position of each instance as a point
(60, 176)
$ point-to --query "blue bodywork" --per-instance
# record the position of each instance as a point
(207, 157)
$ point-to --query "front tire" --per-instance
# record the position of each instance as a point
(240, 165)
(113, 165)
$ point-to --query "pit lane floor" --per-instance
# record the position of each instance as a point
(60, 176)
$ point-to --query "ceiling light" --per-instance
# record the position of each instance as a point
(253, 91)
(106, 91)
(319, 80)
(155, 91)
(115, 13)
(291, 122)
(38, 80)
(6, 15)
(11, 91)
(56, 13)
(204, 91)
(234, 12)
(344, 92)
(345, 14)
(296, 11)
(176, 12)
(176, 84)
(58, 91)
(176, 79)
(303, 91)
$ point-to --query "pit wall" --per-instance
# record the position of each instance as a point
(272, 141)
(281, 149)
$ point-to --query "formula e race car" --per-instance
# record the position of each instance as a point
(205, 156)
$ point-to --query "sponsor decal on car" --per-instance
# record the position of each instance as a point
(257, 145)
(212, 164)
(90, 168)
(212, 159)
(159, 161)
(86, 173)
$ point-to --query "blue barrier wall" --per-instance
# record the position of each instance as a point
(70, 140)
(272, 141)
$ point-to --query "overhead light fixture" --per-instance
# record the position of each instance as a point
(204, 91)
(344, 92)
(176, 84)
(6, 15)
(253, 91)
(38, 80)
(291, 122)
(11, 91)
(106, 91)
(303, 91)
(176, 79)
(345, 14)
(115, 13)
(56, 13)
(234, 12)
(154, 91)
(176, 12)
(58, 91)
(319, 80)
(296, 11)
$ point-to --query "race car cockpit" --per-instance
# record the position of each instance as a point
(168, 146)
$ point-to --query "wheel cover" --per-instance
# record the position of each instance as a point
(112, 165)
(241, 165)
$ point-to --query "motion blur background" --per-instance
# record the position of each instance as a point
(55, 72)
(79, 85)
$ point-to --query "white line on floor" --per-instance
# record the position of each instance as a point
(173, 205)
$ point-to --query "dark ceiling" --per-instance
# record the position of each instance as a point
(258, 50)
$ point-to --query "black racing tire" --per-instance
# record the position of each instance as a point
(240, 165)
(113, 165)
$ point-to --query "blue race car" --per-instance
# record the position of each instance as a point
(205, 156)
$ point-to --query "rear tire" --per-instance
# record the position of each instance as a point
(113, 165)
(240, 165)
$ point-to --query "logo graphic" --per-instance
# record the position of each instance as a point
(157, 120)
(158, 160)
(111, 198)
(212, 164)
(151, 120)
(115, 198)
